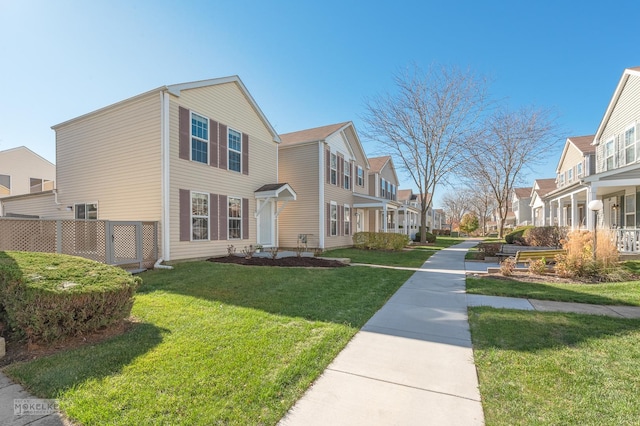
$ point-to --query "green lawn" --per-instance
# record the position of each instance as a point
(624, 293)
(556, 369)
(214, 344)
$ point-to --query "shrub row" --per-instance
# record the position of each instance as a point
(538, 236)
(379, 241)
(47, 296)
(429, 237)
(443, 232)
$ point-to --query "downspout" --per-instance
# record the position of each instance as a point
(321, 179)
(165, 155)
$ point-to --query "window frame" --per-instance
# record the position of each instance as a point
(630, 146)
(195, 138)
(7, 187)
(347, 175)
(333, 219)
(85, 209)
(347, 219)
(360, 175)
(206, 217)
(231, 151)
(570, 175)
(630, 210)
(333, 168)
(234, 219)
(609, 154)
(579, 170)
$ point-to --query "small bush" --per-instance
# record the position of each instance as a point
(508, 267)
(489, 249)
(579, 261)
(49, 296)
(430, 238)
(544, 236)
(380, 241)
(515, 236)
(538, 267)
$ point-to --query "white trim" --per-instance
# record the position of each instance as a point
(165, 196)
(208, 215)
(321, 182)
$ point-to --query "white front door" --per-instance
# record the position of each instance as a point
(266, 224)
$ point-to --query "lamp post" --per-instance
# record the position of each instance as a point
(595, 206)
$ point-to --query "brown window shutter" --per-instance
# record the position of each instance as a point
(185, 215)
(327, 156)
(213, 143)
(184, 132)
(245, 154)
(245, 218)
(213, 217)
(222, 143)
(328, 220)
(223, 223)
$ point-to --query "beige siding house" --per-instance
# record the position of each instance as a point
(381, 203)
(567, 203)
(328, 168)
(540, 206)
(199, 158)
(22, 171)
(520, 199)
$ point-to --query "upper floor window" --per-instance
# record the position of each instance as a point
(199, 138)
(235, 218)
(5, 185)
(630, 145)
(88, 211)
(360, 176)
(334, 169)
(347, 176)
(561, 179)
(383, 188)
(199, 216)
(39, 185)
(579, 169)
(608, 154)
(235, 150)
(570, 175)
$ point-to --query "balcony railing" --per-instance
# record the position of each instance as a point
(628, 240)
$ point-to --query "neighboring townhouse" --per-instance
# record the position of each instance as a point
(381, 203)
(328, 168)
(22, 171)
(616, 181)
(520, 199)
(568, 201)
(540, 206)
(439, 219)
(408, 212)
(199, 158)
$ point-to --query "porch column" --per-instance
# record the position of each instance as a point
(549, 206)
(384, 218)
(574, 212)
(560, 215)
(591, 195)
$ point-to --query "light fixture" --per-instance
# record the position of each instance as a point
(69, 208)
(615, 207)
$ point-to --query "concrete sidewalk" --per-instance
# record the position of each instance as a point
(412, 362)
(10, 392)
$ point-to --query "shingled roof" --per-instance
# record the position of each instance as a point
(310, 135)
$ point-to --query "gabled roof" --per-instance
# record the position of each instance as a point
(635, 71)
(581, 143)
(543, 186)
(24, 148)
(378, 163)
(405, 194)
(175, 89)
(523, 192)
(312, 135)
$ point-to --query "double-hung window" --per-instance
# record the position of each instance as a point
(334, 169)
(630, 145)
(630, 211)
(333, 217)
(347, 176)
(383, 188)
(347, 220)
(579, 170)
(5, 185)
(235, 150)
(199, 216)
(608, 154)
(570, 175)
(360, 176)
(235, 218)
(199, 138)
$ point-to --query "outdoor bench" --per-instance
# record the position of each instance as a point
(527, 256)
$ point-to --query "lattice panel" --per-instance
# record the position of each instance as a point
(85, 238)
(28, 235)
(124, 242)
(150, 241)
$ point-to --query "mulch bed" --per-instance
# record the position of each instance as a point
(292, 261)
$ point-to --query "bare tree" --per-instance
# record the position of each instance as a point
(511, 143)
(482, 203)
(426, 124)
(455, 205)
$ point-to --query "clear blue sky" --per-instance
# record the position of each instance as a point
(307, 64)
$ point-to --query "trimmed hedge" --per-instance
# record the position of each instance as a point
(516, 236)
(429, 237)
(545, 236)
(46, 296)
(380, 241)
